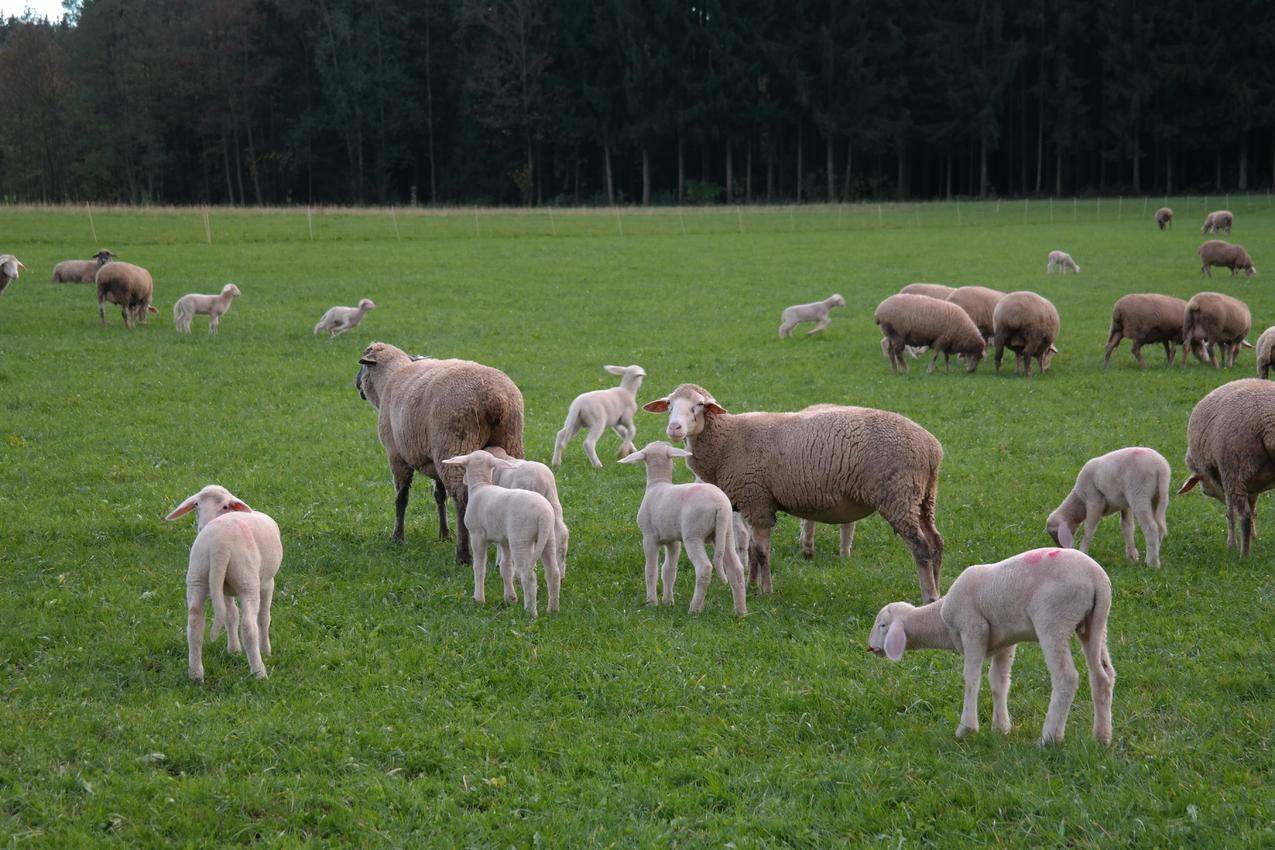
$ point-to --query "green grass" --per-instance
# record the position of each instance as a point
(398, 714)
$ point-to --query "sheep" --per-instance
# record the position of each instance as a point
(816, 312)
(338, 320)
(832, 464)
(1133, 481)
(429, 410)
(212, 306)
(1164, 218)
(806, 537)
(237, 551)
(1216, 252)
(1146, 318)
(934, 290)
(9, 268)
(1213, 319)
(980, 303)
(1027, 325)
(1062, 261)
(673, 515)
(599, 409)
(923, 320)
(129, 286)
(1265, 352)
(1042, 596)
(1217, 221)
(81, 271)
(1231, 451)
(538, 478)
(519, 522)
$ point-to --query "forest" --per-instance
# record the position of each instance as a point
(597, 102)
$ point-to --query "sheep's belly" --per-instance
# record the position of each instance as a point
(846, 511)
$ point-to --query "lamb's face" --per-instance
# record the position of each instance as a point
(887, 638)
(231, 290)
(1059, 529)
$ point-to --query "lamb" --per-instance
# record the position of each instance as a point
(1027, 325)
(1133, 481)
(1061, 260)
(599, 409)
(9, 268)
(1164, 218)
(816, 311)
(338, 320)
(934, 290)
(832, 464)
(921, 320)
(979, 302)
(692, 514)
(1215, 252)
(81, 271)
(237, 551)
(1217, 221)
(520, 522)
(1214, 320)
(1265, 352)
(538, 478)
(1231, 451)
(1146, 318)
(1042, 596)
(429, 410)
(129, 286)
(212, 306)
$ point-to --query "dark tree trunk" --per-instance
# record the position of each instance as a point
(606, 173)
(646, 177)
(845, 181)
(681, 167)
(800, 145)
(1243, 177)
(748, 172)
(730, 173)
(832, 172)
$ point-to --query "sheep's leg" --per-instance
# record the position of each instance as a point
(785, 329)
(898, 349)
(1112, 342)
(973, 647)
(759, 557)
(820, 324)
(1230, 523)
(847, 539)
(1062, 672)
(998, 678)
(232, 627)
(480, 568)
(923, 549)
(591, 443)
(440, 502)
(1150, 533)
(622, 432)
(734, 575)
(553, 573)
(402, 485)
(1244, 510)
(463, 553)
(251, 635)
(1093, 516)
(806, 536)
(672, 554)
(563, 437)
(651, 548)
(1000, 351)
(214, 320)
(506, 563)
(1168, 353)
(525, 566)
(196, 593)
(929, 370)
(1126, 528)
(1137, 355)
(263, 615)
(1102, 681)
(703, 573)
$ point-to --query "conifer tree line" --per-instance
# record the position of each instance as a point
(535, 102)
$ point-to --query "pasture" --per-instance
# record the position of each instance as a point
(398, 713)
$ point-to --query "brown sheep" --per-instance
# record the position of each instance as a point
(1164, 218)
(934, 290)
(1215, 252)
(980, 303)
(1144, 318)
(921, 320)
(130, 287)
(1027, 325)
(81, 271)
(1213, 319)
(1216, 222)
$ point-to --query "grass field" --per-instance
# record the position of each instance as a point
(397, 713)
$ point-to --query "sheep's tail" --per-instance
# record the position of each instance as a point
(1161, 506)
(1094, 625)
(546, 547)
(219, 561)
(572, 413)
(724, 541)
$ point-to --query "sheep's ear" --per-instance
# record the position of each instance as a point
(237, 505)
(658, 406)
(711, 406)
(1053, 348)
(614, 370)
(1245, 344)
(674, 451)
(367, 358)
(150, 308)
(19, 262)
(1189, 484)
(896, 640)
(184, 508)
(1066, 536)
(638, 455)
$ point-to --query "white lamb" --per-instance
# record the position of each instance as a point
(1133, 481)
(692, 514)
(816, 311)
(1062, 261)
(237, 552)
(338, 320)
(1045, 596)
(538, 478)
(601, 409)
(212, 306)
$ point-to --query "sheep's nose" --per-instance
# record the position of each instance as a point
(674, 431)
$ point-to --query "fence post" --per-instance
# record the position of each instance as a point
(1075, 207)
(92, 226)
(478, 232)
(309, 222)
(394, 218)
(958, 212)
(618, 222)
(207, 226)
(739, 218)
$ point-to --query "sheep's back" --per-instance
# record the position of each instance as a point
(1235, 424)
(1223, 318)
(1150, 317)
(452, 405)
(979, 302)
(922, 319)
(1020, 311)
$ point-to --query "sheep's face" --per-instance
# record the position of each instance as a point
(103, 257)
(231, 290)
(686, 406)
(887, 638)
(1060, 530)
(370, 362)
(9, 266)
(366, 304)
(1048, 357)
(208, 504)
(836, 301)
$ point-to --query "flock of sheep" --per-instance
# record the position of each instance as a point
(460, 423)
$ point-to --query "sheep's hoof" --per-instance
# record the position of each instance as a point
(511, 599)
(651, 600)
(1132, 555)
(196, 676)
(962, 730)
(260, 674)
(808, 554)
(741, 612)
(1005, 728)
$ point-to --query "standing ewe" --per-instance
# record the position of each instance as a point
(979, 302)
(692, 514)
(430, 410)
(934, 290)
(816, 312)
(338, 320)
(1146, 318)
(212, 306)
(1265, 352)
(1216, 252)
(9, 268)
(1133, 481)
(130, 287)
(1027, 325)
(538, 478)
(832, 464)
(1062, 261)
(237, 551)
(1216, 222)
(81, 271)
(1164, 218)
(921, 320)
(1230, 452)
(1043, 596)
(1213, 320)
(599, 409)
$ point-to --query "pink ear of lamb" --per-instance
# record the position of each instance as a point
(896, 640)
(237, 505)
(183, 509)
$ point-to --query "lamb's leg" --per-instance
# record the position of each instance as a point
(506, 564)
(232, 627)
(1150, 533)
(525, 566)
(1093, 515)
(847, 539)
(785, 329)
(974, 648)
(807, 538)
(563, 437)
(998, 678)
(672, 554)
(622, 431)
(440, 502)
(820, 324)
(402, 473)
(553, 573)
(591, 442)
(263, 615)
(1112, 342)
(651, 548)
(759, 556)
(212, 324)
(251, 602)
(196, 593)
(1102, 681)
(1056, 647)
(703, 572)
(480, 568)
(735, 578)
(1126, 528)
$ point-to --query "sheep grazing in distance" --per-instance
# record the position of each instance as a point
(430, 410)
(520, 522)
(9, 268)
(673, 515)
(1062, 261)
(538, 478)
(1230, 451)
(831, 464)
(1217, 221)
(599, 409)
(1215, 252)
(1265, 352)
(338, 320)
(81, 271)
(129, 286)
(237, 551)
(1213, 328)
(979, 302)
(816, 311)
(212, 306)
(919, 320)
(1044, 596)
(1146, 318)
(1164, 218)
(1132, 481)
(1027, 325)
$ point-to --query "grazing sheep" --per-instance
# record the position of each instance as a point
(979, 302)
(1043, 596)
(806, 537)
(429, 410)
(81, 271)
(237, 551)
(1216, 222)
(129, 286)
(601, 409)
(1230, 451)
(934, 290)
(1164, 218)
(1146, 318)
(1027, 325)
(816, 312)
(921, 320)
(1265, 352)
(692, 514)
(538, 478)
(1214, 320)
(1133, 481)
(212, 306)
(9, 268)
(520, 522)
(833, 464)
(338, 320)
(1215, 252)
(1062, 261)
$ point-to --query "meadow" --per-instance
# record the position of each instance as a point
(398, 713)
